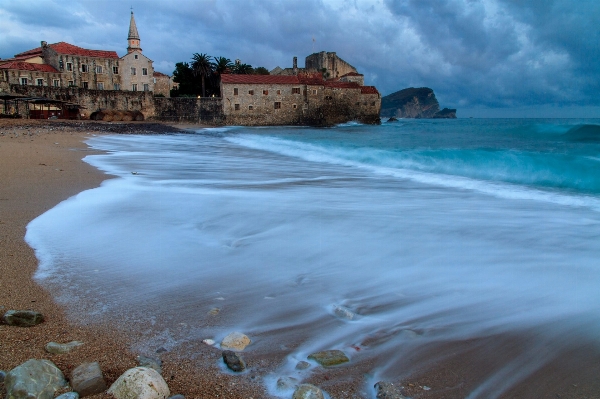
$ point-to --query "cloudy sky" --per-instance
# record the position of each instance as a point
(523, 58)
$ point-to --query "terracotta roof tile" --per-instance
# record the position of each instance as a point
(352, 74)
(29, 53)
(27, 66)
(368, 90)
(158, 74)
(259, 79)
(66, 48)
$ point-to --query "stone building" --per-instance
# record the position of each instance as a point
(162, 84)
(67, 65)
(303, 99)
(329, 63)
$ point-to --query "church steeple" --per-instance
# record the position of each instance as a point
(134, 38)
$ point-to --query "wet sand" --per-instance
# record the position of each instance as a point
(41, 165)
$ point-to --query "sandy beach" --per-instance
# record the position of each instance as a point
(41, 165)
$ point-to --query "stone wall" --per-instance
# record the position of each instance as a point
(92, 100)
(335, 66)
(207, 110)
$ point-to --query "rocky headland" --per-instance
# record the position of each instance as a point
(414, 102)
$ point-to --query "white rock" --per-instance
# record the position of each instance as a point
(140, 383)
(235, 341)
(209, 341)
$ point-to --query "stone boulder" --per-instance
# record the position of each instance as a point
(234, 361)
(68, 395)
(23, 318)
(59, 349)
(38, 379)
(387, 390)
(329, 358)
(87, 379)
(235, 341)
(308, 391)
(140, 383)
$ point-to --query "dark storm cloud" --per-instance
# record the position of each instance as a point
(489, 53)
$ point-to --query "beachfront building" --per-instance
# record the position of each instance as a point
(65, 65)
(303, 99)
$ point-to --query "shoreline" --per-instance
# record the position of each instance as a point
(42, 166)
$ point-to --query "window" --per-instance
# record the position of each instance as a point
(373, 104)
(145, 71)
(278, 92)
(23, 81)
(154, 80)
(251, 92)
(250, 107)
(146, 87)
(85, 85)
(61, 64)
(294, 106)
(235, 91)
(116, 70)
(40, 82)
(116, 86)
(69, 66)
(315, 91)
(236, 107)
(99, 69)
(84, 68)
(135, 56)
(71, 83)
(56, 83)
(133, 71)
(266, 92)
(295, 90)
(100, 85)
(134, 87)
(277, 105)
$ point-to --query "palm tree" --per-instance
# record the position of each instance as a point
(242, 69)
(221, 65)
(202, 67)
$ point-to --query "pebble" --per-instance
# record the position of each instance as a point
(285, 383)
(58, 349)
(387, 390)
(344, 313)
(178, 396)
(234, 361)
(329, 358)
(214, 311)
(87, 379)
(235, 341)
(23, 318)
(68, 395)
(308, 391)
(302, 365)
(209, 341)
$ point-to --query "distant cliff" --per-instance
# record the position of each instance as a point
(414, 103)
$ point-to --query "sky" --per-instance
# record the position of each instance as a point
(486, 58)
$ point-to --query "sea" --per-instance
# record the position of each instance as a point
(375, 240)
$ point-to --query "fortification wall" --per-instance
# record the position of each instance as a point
(334, 65)
(208, 110)
(92, 100)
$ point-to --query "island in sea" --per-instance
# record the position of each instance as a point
(419, 103)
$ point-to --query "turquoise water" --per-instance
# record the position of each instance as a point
(425, 231)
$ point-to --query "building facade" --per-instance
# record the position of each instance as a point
(65, 65)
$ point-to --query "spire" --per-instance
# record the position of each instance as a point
(133, 38)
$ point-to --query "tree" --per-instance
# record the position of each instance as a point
(202, 67)
(242, 69)
(261, 71)
(221, 65)
(184, 75)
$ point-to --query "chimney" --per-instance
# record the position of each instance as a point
(44, 44)
(295, 65)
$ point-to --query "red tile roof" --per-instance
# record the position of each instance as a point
(159, 74)
(66, 48)
(27, 66)
(259, 79)
(368, 90)
(342, 85)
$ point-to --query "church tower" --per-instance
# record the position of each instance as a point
(134, 38)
